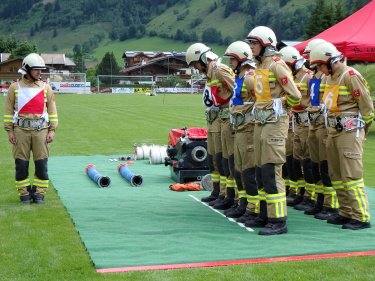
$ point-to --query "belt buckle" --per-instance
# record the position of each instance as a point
(241, 116)
(339, 127)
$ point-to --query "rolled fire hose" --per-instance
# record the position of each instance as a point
(102, 181)
(134, 180)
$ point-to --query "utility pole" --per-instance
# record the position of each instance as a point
(110, 61)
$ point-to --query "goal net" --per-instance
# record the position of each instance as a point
(118, 84)
(68, 82)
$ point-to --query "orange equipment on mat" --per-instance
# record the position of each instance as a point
(193, 186)
(188, 186)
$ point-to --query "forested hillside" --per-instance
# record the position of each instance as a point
(56, 25)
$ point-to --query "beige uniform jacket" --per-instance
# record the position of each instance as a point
(302, 80)
(246, 96)
(282, 86)
(354, 95)
(11, 106)
(223, 76)
(318, 75)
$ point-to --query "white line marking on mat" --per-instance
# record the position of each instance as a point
(217, 211)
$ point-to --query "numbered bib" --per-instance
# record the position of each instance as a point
(207, 96)
(314, 86)
(262, 85)
(331, 94)
(237, 99)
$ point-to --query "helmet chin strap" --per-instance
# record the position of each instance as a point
(260, 54)
(203, 67)
(329, 66)
(32, 77)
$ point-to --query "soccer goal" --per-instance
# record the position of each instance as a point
(118, 84)
(62, 82)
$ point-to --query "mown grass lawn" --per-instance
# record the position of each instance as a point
(41, 243)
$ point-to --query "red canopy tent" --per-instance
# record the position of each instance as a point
(354, 36)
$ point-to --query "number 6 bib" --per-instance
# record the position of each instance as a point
(331, 94)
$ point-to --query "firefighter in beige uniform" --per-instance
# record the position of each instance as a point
(350, 113)
(30, 119)
(242, 104)
(274, 91)
(216, 96)
(301, 152)
(326, 203)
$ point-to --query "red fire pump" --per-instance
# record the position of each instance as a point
(187, 154)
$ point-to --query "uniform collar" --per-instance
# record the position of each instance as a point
(339, 71)
(300, 72)
(211, 69)
(243, 70)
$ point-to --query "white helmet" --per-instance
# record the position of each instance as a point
(33, 61)
(325, 53)
(239, 50)
(311, 45)
(290, 55)
(199, 52)
(262, 34)
(242, 52)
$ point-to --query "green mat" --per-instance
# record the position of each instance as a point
(126, 226)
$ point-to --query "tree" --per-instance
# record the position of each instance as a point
(339, 13)
(78, 60)
(179, 35)
(175, 81)
(211, 35)
(91, 75)
(32, 33)
(314, 25)
(23, 50)
(55, 33)
(108, 66)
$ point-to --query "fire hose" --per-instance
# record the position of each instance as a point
(102, 181)
(134, 180)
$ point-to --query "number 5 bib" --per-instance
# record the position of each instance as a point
(262, 85)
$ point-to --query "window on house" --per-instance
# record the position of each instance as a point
(11, 69)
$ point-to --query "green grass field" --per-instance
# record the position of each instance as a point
(41, 243)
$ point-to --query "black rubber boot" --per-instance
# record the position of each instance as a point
(248, 215)
(26, 199)
(214, 193)
(356, 225)
(232, 208)
(318, 206)
(339, 220)
(274, 228)
(217, 200)
(257, 222)
(326, 213)
(240, 210)
(305, 204)
(290, 198)
(296, 201)
(228, 200)
(38, 199)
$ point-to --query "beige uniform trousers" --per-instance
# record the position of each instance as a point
(214, 147)
(269, 145)
(344, 151)
(318, 152)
